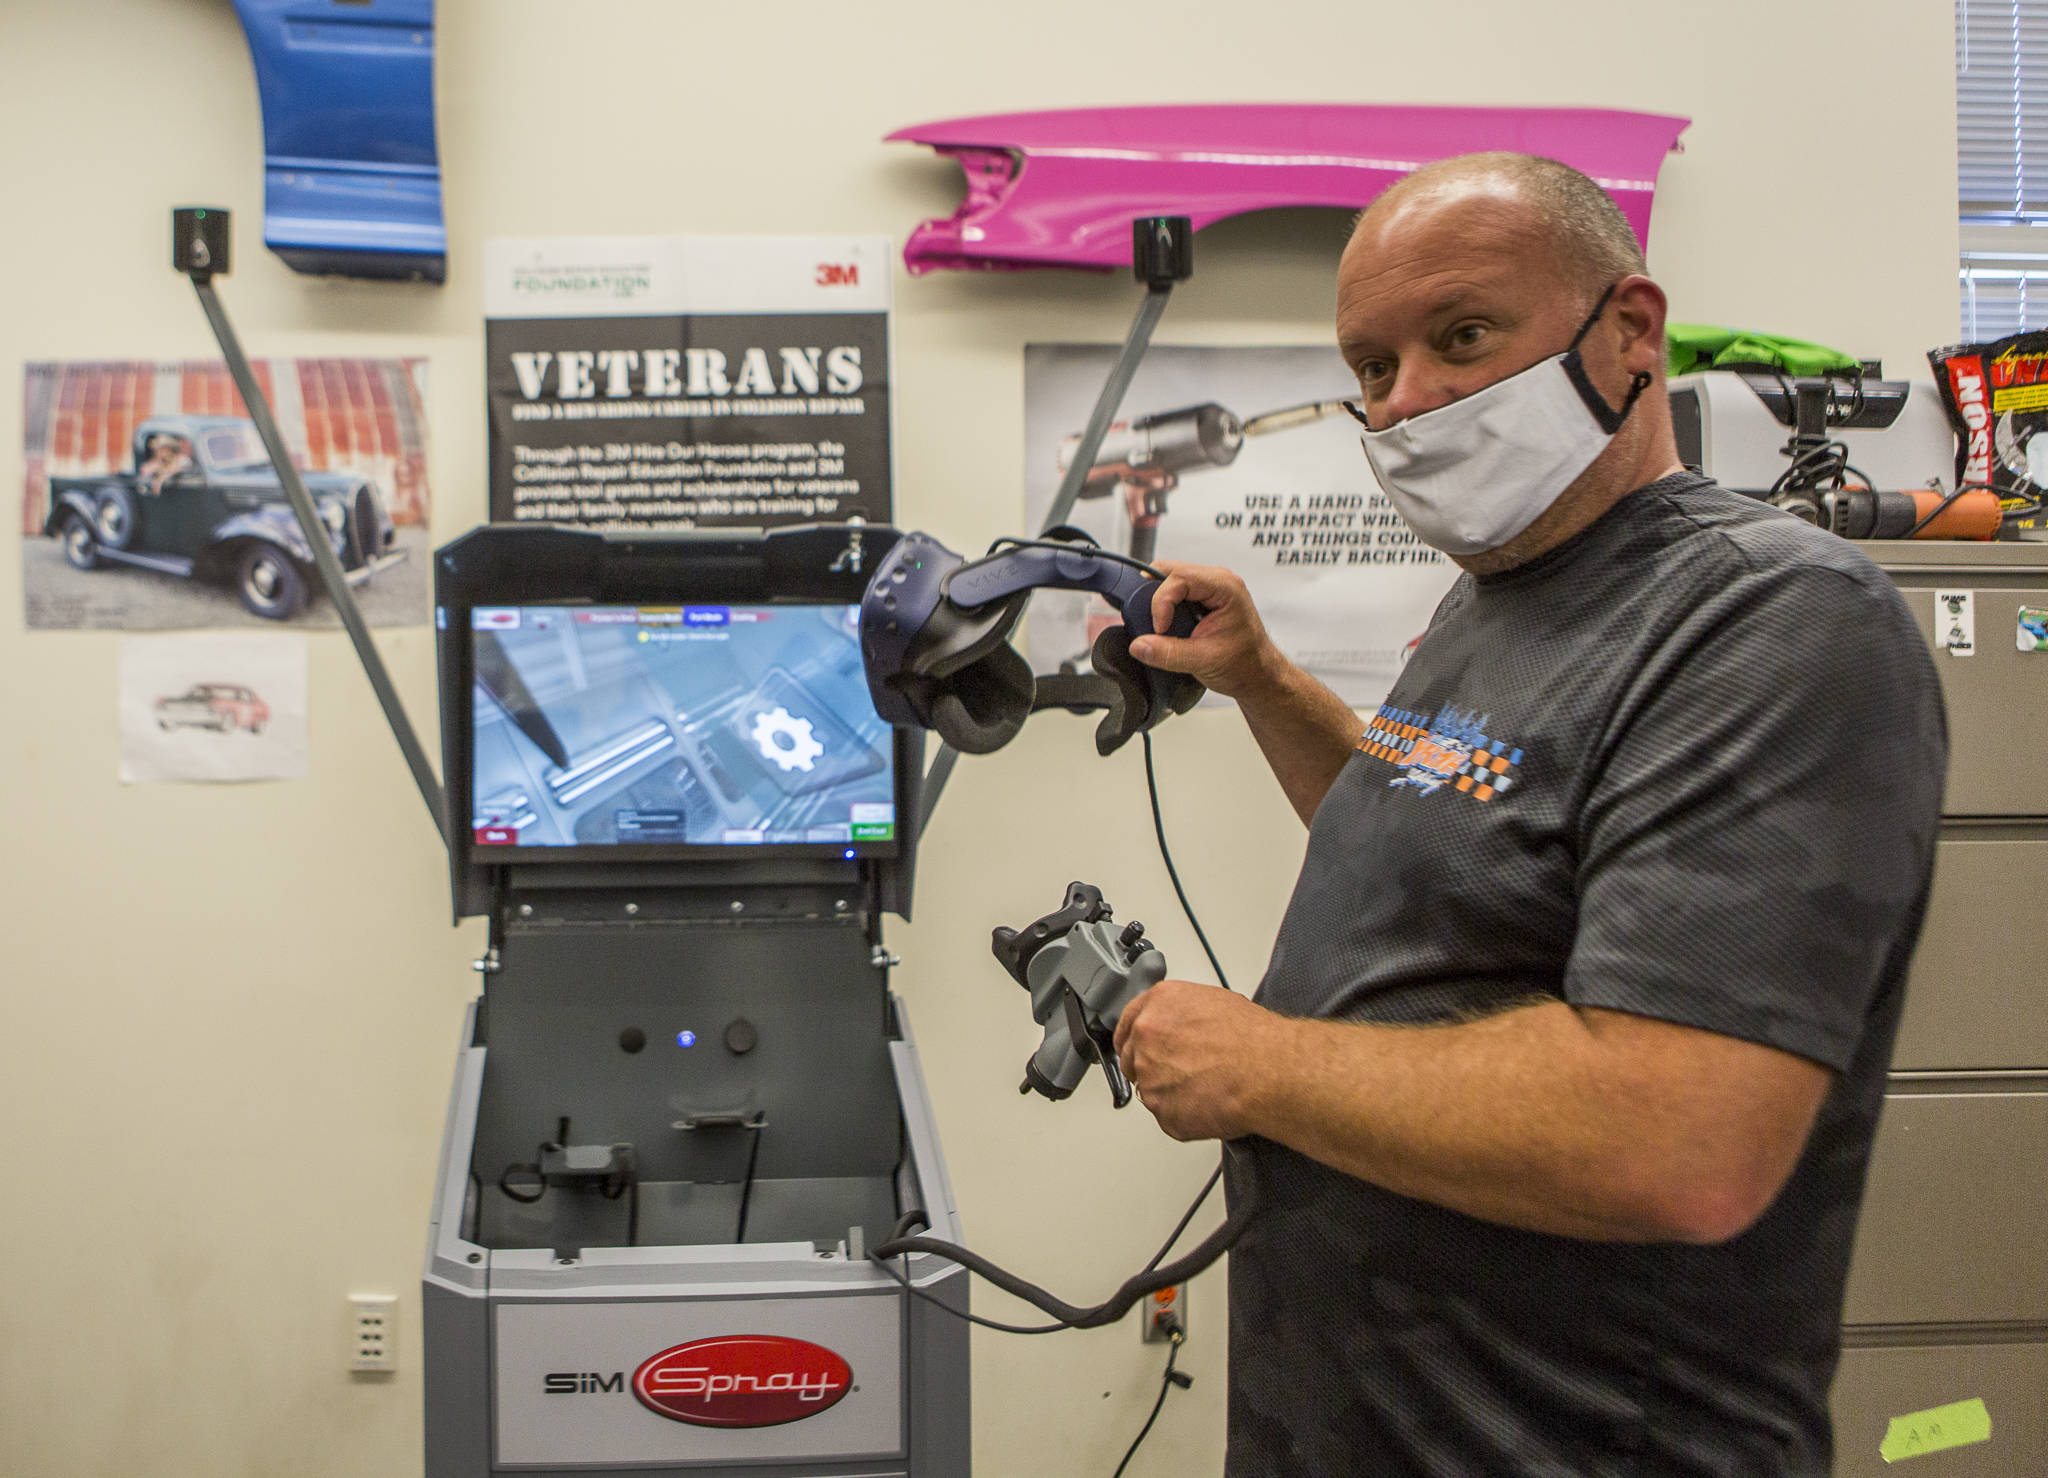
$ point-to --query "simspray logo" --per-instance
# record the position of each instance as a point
(743, 1380)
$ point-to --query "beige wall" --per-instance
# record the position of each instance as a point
(228, 1015)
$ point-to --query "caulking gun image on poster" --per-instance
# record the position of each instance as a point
(1241, 458)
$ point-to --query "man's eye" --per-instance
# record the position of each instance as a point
(1467, 335)
(1370, 370)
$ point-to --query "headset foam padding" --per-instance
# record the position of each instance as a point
(981, 707)
(1130, 711)
(1133, 710)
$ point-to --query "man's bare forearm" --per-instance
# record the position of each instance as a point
(1458, 1116)
(1581, 1124)
(1305, 731)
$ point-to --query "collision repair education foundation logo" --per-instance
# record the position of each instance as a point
(742, 1380)
(1453, 749)
(631, 280)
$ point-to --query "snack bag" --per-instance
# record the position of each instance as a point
(1997, 399)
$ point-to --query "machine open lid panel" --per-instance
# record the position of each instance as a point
(671, 793)
(666, 700)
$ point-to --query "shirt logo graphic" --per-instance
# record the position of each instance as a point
(1452, 749)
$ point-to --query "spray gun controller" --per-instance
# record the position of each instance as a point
(1081, 970)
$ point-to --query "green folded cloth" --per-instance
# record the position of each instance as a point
(1698, 346)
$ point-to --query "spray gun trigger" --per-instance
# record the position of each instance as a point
(1095, 1043)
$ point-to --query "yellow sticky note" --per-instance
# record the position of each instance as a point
(1955, 1425)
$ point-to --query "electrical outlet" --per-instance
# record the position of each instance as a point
(373, 1331)
(1164, 1312)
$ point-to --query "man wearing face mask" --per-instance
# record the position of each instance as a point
(1558, 1093)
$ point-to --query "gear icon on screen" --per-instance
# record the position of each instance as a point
(789, 742)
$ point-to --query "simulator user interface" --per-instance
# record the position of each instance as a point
(676, 725)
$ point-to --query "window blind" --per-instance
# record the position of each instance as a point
(2002, 109)
(2002, 165)
(1997, 302)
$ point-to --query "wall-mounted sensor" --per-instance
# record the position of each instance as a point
(199, 240)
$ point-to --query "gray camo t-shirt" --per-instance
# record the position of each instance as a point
(1687, 765)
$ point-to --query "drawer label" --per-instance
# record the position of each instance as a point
(1957, 1424)
(1955, 622)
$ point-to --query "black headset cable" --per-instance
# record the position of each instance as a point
(1166, 856)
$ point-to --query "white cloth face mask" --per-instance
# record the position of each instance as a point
(1471, 475)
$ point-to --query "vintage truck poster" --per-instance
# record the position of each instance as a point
(149, 503)
(1241, 457)
(688, 382)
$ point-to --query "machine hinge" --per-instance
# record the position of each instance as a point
(881, 959)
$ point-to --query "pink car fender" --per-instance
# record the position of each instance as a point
(1061, 189)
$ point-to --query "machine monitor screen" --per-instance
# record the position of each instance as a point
(677, 727)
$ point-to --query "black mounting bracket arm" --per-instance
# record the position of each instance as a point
(200, 250)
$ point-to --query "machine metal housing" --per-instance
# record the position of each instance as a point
(699, 1066)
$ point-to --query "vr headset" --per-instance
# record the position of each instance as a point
(935, 629)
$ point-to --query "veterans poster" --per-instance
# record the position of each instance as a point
(688, 382)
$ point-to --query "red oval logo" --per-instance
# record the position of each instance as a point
(742, 1380)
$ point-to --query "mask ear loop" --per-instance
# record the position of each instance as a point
(1591, 319)
(1575, 370)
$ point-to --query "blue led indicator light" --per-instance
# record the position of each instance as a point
(851, 854)
(686, 1039)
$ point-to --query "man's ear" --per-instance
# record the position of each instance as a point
(1639, 306)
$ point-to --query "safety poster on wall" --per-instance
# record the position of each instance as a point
(688, 382)
(1240, 457)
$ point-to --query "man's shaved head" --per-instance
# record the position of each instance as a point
(1592, 241)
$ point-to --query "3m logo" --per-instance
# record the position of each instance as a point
(742, 1380)
(838, 274)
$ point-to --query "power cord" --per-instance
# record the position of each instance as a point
(1825, 465)
(1155, 1275)
(916, 1219)
(1167, 1382)
(1151, 1277)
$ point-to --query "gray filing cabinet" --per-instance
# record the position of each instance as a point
(1948, 1292)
